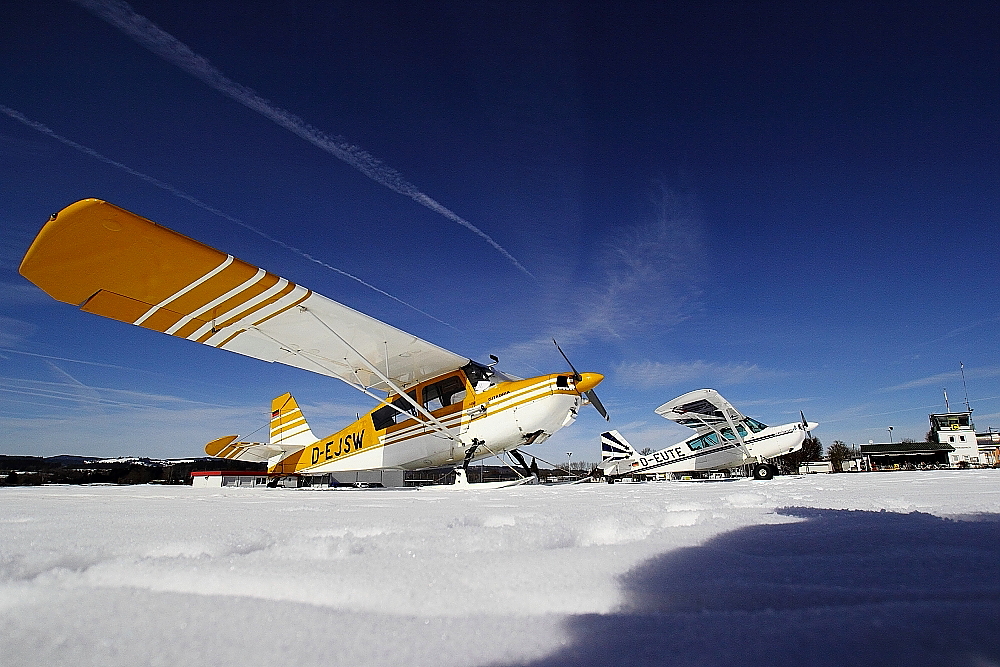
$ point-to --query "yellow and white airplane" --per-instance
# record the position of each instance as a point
(438, 408)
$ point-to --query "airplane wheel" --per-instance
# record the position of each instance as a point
(763, 471)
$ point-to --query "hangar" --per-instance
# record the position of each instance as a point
(220, 478)
(906, 455)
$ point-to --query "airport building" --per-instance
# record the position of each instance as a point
(957, 430)
(252, 478)
(221, 478)
(989, 448)
(906, 455)
(957, 446)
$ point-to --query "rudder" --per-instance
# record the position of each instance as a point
(288, 424)
(614, 447)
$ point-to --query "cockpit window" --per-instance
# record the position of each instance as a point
(483, 377)
(755, 425)
(384, 417)
(444, 393)
(388, 415)
(479, 375)
(707, 440)
(728, 434)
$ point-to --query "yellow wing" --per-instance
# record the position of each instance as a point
(114, 263)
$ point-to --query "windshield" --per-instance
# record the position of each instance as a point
(483, 377)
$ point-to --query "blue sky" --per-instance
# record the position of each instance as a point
(795, 205)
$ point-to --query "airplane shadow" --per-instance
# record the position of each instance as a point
(842, 587)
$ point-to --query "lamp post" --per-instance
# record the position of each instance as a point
(890, 435)
(569, 462)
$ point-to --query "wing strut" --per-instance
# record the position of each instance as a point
(732, 427)
(359, 385)
(437, 425)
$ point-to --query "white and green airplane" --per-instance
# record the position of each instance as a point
(724, 439)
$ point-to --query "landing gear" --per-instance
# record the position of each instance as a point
(524, 464)
(470, 452)
(763, 471)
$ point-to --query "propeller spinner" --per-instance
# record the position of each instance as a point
(585, 382)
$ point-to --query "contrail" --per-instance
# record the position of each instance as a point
(121, 15)
(85, 394)
(200, 204)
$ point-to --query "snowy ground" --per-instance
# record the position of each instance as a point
(852, 569)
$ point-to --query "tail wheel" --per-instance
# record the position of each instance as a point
(763, 471)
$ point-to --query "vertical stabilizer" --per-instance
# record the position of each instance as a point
(288, 424)
(614, 447)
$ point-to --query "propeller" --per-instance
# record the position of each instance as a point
(807, 426)
(589, 393)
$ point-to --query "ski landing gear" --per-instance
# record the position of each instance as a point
(470, 452)
(528, 470)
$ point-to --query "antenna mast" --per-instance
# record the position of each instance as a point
(967, 406)
(947, 408)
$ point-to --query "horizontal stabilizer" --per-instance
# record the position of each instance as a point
(255, 452)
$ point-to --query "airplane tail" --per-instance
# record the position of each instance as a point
(614, 447)
(288, 425)
(289, 434)
(255, 452)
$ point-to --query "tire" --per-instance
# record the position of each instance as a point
(763, 471)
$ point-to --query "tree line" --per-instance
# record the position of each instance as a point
(812, 450)
(37, 470)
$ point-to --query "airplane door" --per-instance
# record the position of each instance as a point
(722, 457)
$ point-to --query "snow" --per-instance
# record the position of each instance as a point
(849, 569)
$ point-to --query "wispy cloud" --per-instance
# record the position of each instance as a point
(70, 417)
(14, 331)
(74, 361)
(151, 36)
(58, 393)
(651, 274)
(33, 148)
(87, 396)
(768, 402)
(649, 374)
(948, 376)
(647, 275)
(958, 331)
(24, 294)
(18, 116)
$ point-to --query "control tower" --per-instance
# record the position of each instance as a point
(956, 429)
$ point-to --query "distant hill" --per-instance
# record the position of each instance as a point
(67, 469)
